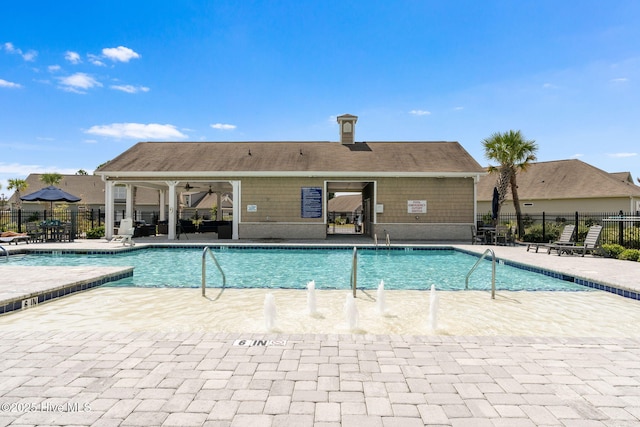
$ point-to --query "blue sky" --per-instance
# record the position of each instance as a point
(81, 82)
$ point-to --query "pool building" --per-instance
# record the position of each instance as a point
(418, 190)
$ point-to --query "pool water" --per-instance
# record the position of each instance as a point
(294, 268)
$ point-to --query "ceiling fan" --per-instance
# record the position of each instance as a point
(189, 187)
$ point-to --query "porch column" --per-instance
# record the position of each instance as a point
(163, 203)
(109, 207)
(129, 202)
(236, 208)
(173, 212)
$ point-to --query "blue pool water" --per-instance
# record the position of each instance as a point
(293, 268)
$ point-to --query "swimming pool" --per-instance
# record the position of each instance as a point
(292, 268)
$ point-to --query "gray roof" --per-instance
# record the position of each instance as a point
(563, 179)
(346, 203)
(269, 157)
(90, 188)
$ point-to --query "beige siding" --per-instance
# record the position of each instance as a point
(277, 199)
(449, 200)
(563, 206)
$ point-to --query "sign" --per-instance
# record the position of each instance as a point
(416, 206)
(259, 343)
(311, 202)
(252, 208)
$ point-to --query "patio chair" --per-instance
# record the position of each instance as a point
(35, 232)
(566, 238)
(125, 232)
(503, 235)
(591, 244)
(12, 237)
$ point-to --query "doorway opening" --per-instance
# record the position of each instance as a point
(349, 207)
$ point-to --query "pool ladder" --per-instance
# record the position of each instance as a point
(493, 271)
(6, 252)
(204, 271)
(386, 238)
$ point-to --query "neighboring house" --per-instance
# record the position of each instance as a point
(345, 206)
(412, 190)
(565, 186)
(90, 188)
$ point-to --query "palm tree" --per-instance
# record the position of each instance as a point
(19, 185)
(52, 178)
(514, 153)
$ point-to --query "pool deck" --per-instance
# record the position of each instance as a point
(203, 379)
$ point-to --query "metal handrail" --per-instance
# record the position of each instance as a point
(375, 240)
(204, 271)
(493, 272)
(354, 270)
(387, 239)
(6, 252)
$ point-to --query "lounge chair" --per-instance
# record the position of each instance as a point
(566, 238)
(13, 237)
(591, 244)
(125, 232)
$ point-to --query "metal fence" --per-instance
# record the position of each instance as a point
(81, 220)
(620, 227)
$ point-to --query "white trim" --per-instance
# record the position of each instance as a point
(335, 175)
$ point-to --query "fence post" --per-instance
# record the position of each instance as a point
(544, 226)
(20, 220)
(576, 224)
(621, 230)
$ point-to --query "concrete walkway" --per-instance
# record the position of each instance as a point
(213, 379)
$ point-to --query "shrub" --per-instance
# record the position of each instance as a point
(534, 233)
(96, 233)
(613, 250)
(630, 255)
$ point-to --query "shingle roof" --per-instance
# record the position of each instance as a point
(346, 203)
(239, 157)
(90, 188)
(563, 179)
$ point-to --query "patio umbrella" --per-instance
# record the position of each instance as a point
(495, 204)
(50, 194)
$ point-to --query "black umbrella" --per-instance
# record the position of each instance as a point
(495, 204)
(50, 194)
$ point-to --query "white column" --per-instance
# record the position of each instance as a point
(163, 203)
(173, 211)
(109, 207)
(128, 212)
(236, 208)
(219, 206)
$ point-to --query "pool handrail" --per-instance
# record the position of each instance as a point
(493, 271)
(206, 250)
(354, 270)
(6, 252)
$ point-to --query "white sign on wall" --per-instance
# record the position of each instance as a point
(252, 208)
(416, 206)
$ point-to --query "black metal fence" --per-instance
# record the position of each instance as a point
(82, 220)
(619, 227)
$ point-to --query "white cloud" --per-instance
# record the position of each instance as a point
(11, 85)
(95, 60)
(137, 131)
(577, 156)
(420, 112)
(72, 57)
(120, 53)
(130, 88)
(223, 126)
(30, 55)
(619, 80)
(622, 155)
(54, 68)
(79, 82)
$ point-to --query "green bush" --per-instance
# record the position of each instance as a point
(630, 255)
(613, 250)
(96, 233)
(534, 233)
